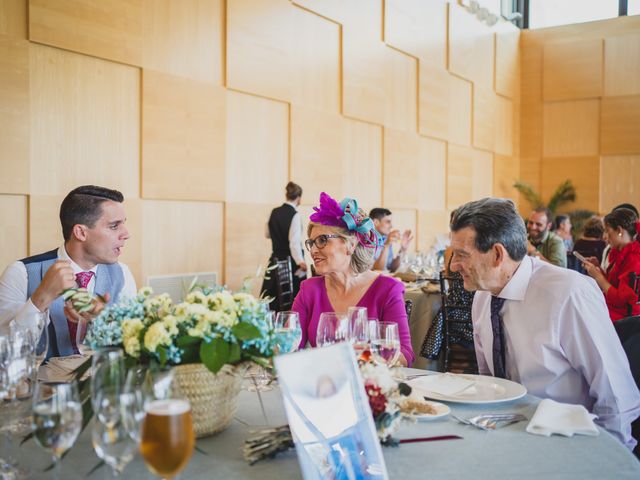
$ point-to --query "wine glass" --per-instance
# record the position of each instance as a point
(358, 329)
(57, 418)
(132, 401)
(167, 436)
(332, 328)
(113, 444)
(6, 354)
(84, 347)
(107, 382)
(287, 331)
(386, 348)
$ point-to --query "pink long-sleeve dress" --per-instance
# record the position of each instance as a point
(384, 300)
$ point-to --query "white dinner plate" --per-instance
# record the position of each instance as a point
(441, 409)
(485, 389)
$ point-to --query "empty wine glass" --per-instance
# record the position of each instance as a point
(57, 418)
(386, 348)
(107, 382)
(332, 328)
(113, 444)
(132, 401)
(358, 329)
(287, 331)
(84, 347)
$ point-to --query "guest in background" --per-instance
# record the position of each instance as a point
(606, 257)
(94, 231)
(342, 242)
(563, 230)
(284, 228)
(552, 332)
(543, 243)
(385, 258)
(591, 244)
(620, 225)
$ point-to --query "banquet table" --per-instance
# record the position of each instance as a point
(425, 308)
(506, 453)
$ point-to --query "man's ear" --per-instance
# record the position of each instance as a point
(500, 254)
(79, 231)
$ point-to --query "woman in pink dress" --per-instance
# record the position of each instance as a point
(342, 242)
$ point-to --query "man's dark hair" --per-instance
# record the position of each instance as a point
(547, 213)
(627, 206)
(83, 205)
(560, 219)
(379, 213)
(495, 220)
(294, 191)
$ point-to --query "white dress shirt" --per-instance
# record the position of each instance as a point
(14, 303)
(560, 343)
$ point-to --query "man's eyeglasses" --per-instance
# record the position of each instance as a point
(320, 241)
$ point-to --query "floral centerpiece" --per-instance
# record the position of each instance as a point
(209, 338)
(387, 394)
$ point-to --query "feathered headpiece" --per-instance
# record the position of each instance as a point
(345, 215)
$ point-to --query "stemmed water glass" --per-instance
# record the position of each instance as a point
(358, 329)
(57, 418)
(332, 328)
(81, 337)
(259, 377)
(113, 444)
(287, 331)
(107, 384)
(386, 348)
(167, 438)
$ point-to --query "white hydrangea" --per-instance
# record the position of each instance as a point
(132, 346)
(155, 336)
(131, 327)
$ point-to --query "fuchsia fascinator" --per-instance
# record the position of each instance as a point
(345, 215)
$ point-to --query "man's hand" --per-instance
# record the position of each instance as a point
(57, 279)
(594, 271)
(405, 240)
(98, 305)
(530, 248)
(394, 236)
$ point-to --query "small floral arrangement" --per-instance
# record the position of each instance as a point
(212, 325)
(387, 393)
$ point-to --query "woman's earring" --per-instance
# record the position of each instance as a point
(619, 234)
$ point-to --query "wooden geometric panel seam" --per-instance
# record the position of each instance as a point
(571, 128)
(622, 65)
(620, 128)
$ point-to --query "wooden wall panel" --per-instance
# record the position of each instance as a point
(459, 181)
(619, 181)
(414, 171)
(245, 246)
(484, 117)
(13, 18)
(85, 116)
(257, 166)
(531, 97)
(13, 234)
(620, 125)
(258, 47)
(316, 60)
(530, 172)
(622, 65)
(506, 172)
(191, 239)
(402, 91)
(460, 105)
(110, 29)
(471, 47)
(183, 138)
(406, 219)
(504, 121)
(184, 38)
(14, 115)
(572, 69)
(482, 175)
(433, 108)
(404, 28)
(430, 225)
(507, 74)
(583, 172)
(571, 128)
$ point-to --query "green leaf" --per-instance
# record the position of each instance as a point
(191, 354)
(529, 194)
(215, 354)
(234, 353)
(245, 331)
(187, 341)
(565, 193)
(162, 354)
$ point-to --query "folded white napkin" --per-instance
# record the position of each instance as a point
(446, 384)
(553, 417)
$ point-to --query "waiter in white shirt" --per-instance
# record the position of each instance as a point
(537, 324)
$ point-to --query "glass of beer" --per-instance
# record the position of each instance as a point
(167, 438)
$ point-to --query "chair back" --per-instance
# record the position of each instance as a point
(634, 283)
(408, 307)
(284, 284)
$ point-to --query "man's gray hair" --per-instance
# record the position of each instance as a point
(495, 220)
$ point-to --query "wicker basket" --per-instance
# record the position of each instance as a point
(213, 397)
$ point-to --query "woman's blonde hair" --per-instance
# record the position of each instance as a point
(362, 257)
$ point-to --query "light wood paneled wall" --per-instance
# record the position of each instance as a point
(200, 111)
(580, 114)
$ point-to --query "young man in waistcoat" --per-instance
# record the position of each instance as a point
(94, 231)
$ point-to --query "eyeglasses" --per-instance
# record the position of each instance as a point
(320, 241)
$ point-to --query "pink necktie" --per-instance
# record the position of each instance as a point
(82, 279)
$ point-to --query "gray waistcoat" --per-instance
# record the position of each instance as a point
(109, 279)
